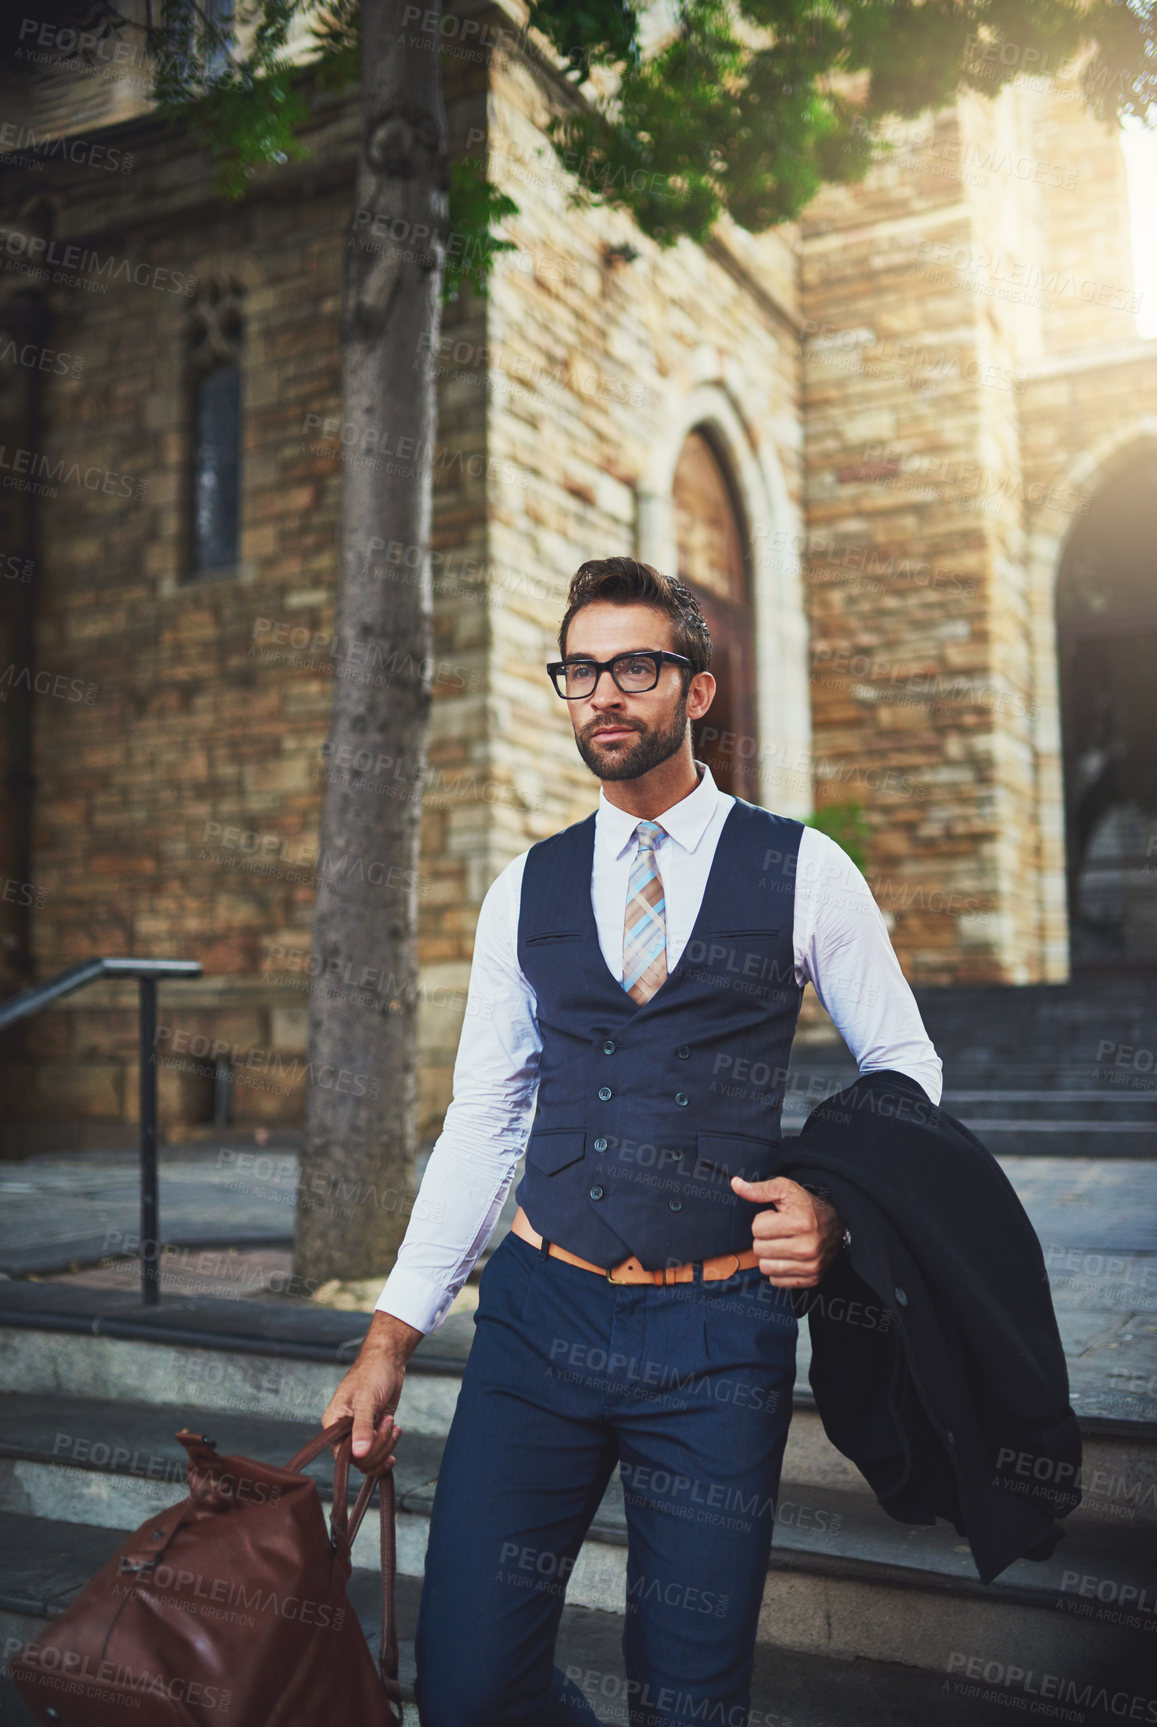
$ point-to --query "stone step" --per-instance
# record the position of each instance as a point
(128, 1451)
(45, 1565)
(844, 1578)
(1091, 1030)
(1094, 1101)
(1095, 998)
(113, 1446)
(1012, 1137)
(243, 1366)
(838, 1562)
(1016, 1114)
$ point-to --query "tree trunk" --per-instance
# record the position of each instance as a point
(360, 1136)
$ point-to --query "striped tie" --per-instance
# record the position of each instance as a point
(645, 929)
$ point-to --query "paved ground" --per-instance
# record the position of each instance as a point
(228, 1209)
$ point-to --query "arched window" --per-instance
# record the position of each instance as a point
(220, 36)
(200, 35)
(1107, 647)
(712, 560)
(214, 415)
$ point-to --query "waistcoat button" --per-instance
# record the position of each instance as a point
(600, 1145)
(596, 1193)
(683, 1052)
(675, 1204)
(604, 1092)
(682, 1099)
(609, 1046)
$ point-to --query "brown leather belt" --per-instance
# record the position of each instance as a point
(629, 1270)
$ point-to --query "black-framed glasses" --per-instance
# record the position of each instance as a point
(634, 673)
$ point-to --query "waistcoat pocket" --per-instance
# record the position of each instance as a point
(722, 1155)
(743, 929)
(553, 1148)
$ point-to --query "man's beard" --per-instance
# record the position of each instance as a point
(631, 761)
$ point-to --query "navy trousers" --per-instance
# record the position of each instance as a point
(688, 1387)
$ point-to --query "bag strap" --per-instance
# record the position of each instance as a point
(344, 1526)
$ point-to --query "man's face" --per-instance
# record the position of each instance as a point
(620, 736)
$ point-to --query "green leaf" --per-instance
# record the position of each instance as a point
(847, 824)
(475, 204)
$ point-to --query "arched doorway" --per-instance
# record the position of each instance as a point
(1107, 662)
(711, 546)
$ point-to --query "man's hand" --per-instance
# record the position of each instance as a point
(371, 1389)
(798, 1239)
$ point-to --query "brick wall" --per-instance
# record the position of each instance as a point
(926, 313)
(177, 809)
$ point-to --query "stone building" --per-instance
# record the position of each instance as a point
(903, 448)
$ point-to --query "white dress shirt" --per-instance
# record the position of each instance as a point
(841, 946)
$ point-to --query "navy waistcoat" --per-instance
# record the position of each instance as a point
(645, 1113)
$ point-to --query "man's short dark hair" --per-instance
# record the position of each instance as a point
(627, 582)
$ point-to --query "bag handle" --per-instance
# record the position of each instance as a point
(344, 1526)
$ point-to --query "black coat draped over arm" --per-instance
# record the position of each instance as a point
(937, 1365)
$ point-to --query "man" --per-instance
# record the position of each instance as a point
(636, 982)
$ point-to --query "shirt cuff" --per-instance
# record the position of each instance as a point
(413, 1299)
(929, 1077)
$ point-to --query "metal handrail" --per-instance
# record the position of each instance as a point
(147, 972)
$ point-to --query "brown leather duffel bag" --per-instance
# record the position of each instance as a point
(227, 1610)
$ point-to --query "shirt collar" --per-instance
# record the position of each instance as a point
(685, 821)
